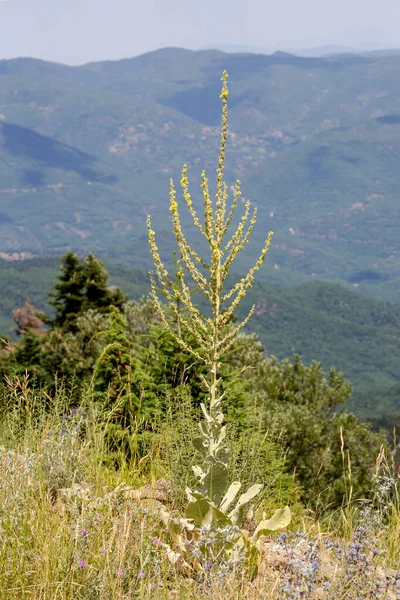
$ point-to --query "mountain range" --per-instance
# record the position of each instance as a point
(369, 49)
(87, 152)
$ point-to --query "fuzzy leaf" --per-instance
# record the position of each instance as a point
(230, 496)
(198, 443)
(222, 436)
(222, 455)
(189, 494)
(219, 418)
(175, 524)
(205, 412)
(237, 514)
(165, 516)
(203, 429)
(280, 519)
(198, 509)
(198, 472)
(215, 482)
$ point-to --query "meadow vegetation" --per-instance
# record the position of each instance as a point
(107, 405)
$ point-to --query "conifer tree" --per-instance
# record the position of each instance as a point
(68, 293)
(114, 365)
(82, 285)
(97, 294)
(122, 385)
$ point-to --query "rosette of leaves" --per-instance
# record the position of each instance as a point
(211, 530)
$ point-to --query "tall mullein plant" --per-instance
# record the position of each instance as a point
(212, 503)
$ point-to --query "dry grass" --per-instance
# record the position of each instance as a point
(69, 529)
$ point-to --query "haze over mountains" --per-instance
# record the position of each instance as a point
(372, 48)
(87, 152)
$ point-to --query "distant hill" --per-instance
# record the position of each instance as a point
(87, 152)
(345, 197)
(340, 329)
(318, 321)
(326, 50)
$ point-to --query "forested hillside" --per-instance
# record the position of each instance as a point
(87, 152)
(317, 321)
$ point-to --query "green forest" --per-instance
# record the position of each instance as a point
(316, 321)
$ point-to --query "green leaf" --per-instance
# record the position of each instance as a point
(203, 426)
(237, 514)
(252, 561)
(215, 482)
(203, 512)
(222, 455)
(230, 495)
(280, 519)
(205, 412)
(219, 519)
(198, 509)
(198, 443)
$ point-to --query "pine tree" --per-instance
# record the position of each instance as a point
(122, 385)
(82, 285)
(97, 294)
(68, 293)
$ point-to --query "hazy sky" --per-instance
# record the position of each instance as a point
(78, 31)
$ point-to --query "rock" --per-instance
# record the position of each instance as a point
(160, 490)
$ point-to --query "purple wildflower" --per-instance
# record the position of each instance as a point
(83, 533)
(82, 564)
(141, 574)
(121, 572)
